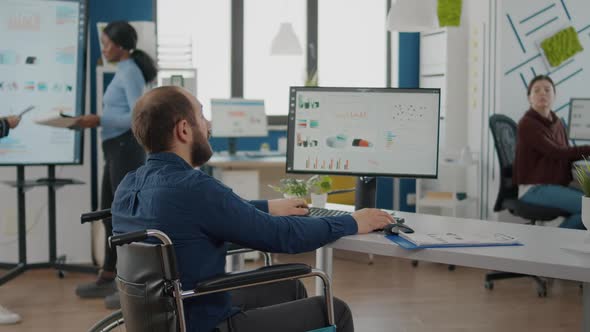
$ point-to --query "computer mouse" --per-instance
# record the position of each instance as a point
(394, 229)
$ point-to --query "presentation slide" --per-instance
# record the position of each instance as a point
(238, 118)
(41, 74)
(579, 122)
(364, 131)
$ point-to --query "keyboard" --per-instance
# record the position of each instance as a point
(321, 212)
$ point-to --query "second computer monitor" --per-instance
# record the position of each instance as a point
(579, 119)
(238, 118)
(363, 131)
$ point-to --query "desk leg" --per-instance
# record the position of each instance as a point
(586, 307)
(323, 261)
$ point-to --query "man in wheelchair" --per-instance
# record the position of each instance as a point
(200, 215)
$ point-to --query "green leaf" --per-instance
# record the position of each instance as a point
(291, 186)
(582, 174)
(319, 184)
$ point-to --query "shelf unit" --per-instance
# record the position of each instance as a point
(443, 56)
(452, 178)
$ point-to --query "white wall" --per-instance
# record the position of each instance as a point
(497, 61)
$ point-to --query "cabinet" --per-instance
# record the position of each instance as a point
(450, 194)
(443, 64)
(97, 229)
(443, 57)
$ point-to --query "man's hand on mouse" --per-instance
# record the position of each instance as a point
(369, 220)
(287, 207)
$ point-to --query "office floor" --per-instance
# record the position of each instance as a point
(389, 295)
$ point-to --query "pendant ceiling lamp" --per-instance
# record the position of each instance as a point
(286, 41)
(412, 16)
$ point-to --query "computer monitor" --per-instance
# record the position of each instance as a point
(235, 117)
(579, 119)
(368, 132)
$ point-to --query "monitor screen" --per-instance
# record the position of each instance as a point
(238, 118)
(42, 74)
(579, 120)
(363, 131)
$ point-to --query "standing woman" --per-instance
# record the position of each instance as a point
(7, 123)
(122, 153)
(542, 167)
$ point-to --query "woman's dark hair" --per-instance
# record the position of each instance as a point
(537, 79)
(124, 35)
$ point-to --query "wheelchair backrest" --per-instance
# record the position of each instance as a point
(144, 280)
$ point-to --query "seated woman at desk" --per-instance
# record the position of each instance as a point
(542, 166)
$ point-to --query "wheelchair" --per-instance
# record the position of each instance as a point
(149, 284)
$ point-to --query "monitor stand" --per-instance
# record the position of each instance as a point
(232, 146)
(364, 197)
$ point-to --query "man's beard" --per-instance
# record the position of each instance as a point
(201, 150)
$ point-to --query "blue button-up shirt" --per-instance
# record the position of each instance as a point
(200, 214)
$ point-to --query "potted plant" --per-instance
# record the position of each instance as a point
(291, 188)
(582, 173)
(319, 186)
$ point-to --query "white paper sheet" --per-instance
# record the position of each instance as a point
(55, 119)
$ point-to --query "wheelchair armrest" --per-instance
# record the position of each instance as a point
(96, 215)
(119, 240)
(252, 277)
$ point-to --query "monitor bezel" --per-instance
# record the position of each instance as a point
(569, 120)
(291, 130)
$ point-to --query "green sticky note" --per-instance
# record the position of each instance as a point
(561, 46)
(449, 12)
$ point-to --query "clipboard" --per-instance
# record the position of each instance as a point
(411, 246)
(58, 119)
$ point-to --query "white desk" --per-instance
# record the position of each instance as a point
(269, 171)
(541, 255)
(225, 161)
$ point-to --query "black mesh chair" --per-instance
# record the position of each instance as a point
(152, 296)
(503, 131)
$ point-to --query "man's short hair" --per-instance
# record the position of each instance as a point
(156, 114)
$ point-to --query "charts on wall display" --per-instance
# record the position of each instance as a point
(41, 69)
(364, 131)
(238, 118)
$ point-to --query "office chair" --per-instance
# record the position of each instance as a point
(503, 131)
(151, 293)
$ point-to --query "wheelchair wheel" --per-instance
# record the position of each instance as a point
(112, 322)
